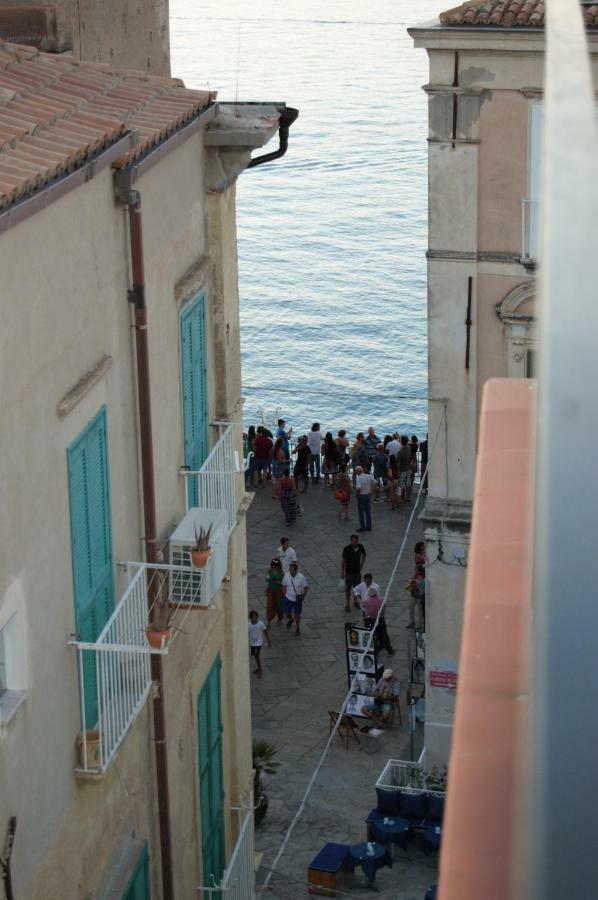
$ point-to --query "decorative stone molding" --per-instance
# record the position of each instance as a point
(83, 387)
(506, 310)
(192, 282)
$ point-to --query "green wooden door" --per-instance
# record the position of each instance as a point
(211, 786)
(91, 542)
(194, 389)
(139, 885)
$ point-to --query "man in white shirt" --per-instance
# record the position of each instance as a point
(394, 446)
(360, 592)
(364, 485)
(295, 588)
(314, 442)
(286, 554)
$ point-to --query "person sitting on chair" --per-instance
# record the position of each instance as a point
(386, 694)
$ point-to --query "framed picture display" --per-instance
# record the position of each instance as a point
(360, 660)
(418, 671)
(364, 684)
(420, 645)
(356, 704)
(358, 638)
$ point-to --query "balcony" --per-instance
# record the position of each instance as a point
(238, 879)
(216, 479)
(115, 670)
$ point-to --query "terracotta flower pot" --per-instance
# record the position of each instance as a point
(199, 558)
(157, 638)
(92, 741)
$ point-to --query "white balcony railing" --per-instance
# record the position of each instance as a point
(114, 670)
(238, 879)
(216, 479)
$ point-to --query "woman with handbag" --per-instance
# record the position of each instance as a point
(343, 493)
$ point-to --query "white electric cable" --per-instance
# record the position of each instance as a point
(359, 670)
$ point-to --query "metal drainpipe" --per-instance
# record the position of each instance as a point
(287, 117)
(137, 297)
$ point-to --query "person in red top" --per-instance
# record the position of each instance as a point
(262, 455)
(370, 607)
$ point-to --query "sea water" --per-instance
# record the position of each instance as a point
(332, 237)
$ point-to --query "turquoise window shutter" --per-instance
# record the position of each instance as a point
(211, 783)
(194, 389)
(91, 541)
(139, 886)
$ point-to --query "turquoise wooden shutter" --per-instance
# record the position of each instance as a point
(91, 541)
(139, 886)
(211, 784)
(194, 389)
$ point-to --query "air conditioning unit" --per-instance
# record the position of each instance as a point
(190, 589)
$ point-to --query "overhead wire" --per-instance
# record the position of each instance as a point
(358, 671)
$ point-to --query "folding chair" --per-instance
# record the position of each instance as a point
(346, 728)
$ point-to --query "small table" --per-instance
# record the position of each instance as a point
(392, 828)
(432, 838)
(370, 862)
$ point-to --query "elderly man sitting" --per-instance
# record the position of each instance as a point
(386, 694)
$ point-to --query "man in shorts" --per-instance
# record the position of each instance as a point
(352, 561)
(385, 697)
(262, 457)
(295, 588)
(257, 631)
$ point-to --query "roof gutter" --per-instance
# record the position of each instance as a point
(287, 116)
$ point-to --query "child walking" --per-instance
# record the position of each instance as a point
(257, 631)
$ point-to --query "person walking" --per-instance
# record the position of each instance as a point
(287, 491)
(364, 484)
(295, 590)
(274, 594)
(352, 560)
(343, 493)
(371, 606)
(416, 588)
(286, 555)
(361, 590)
(314, 442)
(257, 631)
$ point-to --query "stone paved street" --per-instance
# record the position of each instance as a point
(306, 676)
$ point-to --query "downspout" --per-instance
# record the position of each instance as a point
(287, 117)
(137, 298)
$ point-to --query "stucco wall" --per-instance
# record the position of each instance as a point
(65, 279)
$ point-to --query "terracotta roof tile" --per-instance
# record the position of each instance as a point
(506, 14)
(56, 112)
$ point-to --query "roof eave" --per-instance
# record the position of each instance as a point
(472, 37)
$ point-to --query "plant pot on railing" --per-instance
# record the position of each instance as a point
(160, 626)
(91, 742)
(202, 550)
(157, 638)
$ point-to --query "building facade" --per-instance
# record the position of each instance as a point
(120, 354)
(485, 126)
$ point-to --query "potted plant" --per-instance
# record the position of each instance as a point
(91, 742)
(200, 553)
(160, 627)
(263, 763)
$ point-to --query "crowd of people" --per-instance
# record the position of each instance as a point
(369, 468)
(286, 589)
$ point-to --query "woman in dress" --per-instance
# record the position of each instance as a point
(274, 593)
(343, 493)
(331, 458)
(288, 497)
(302, 465)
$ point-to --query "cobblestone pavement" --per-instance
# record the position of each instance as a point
(306, 676)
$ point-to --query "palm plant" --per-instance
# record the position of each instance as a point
(263, 754)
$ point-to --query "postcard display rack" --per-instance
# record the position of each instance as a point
(417, 664)
(362, 664)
